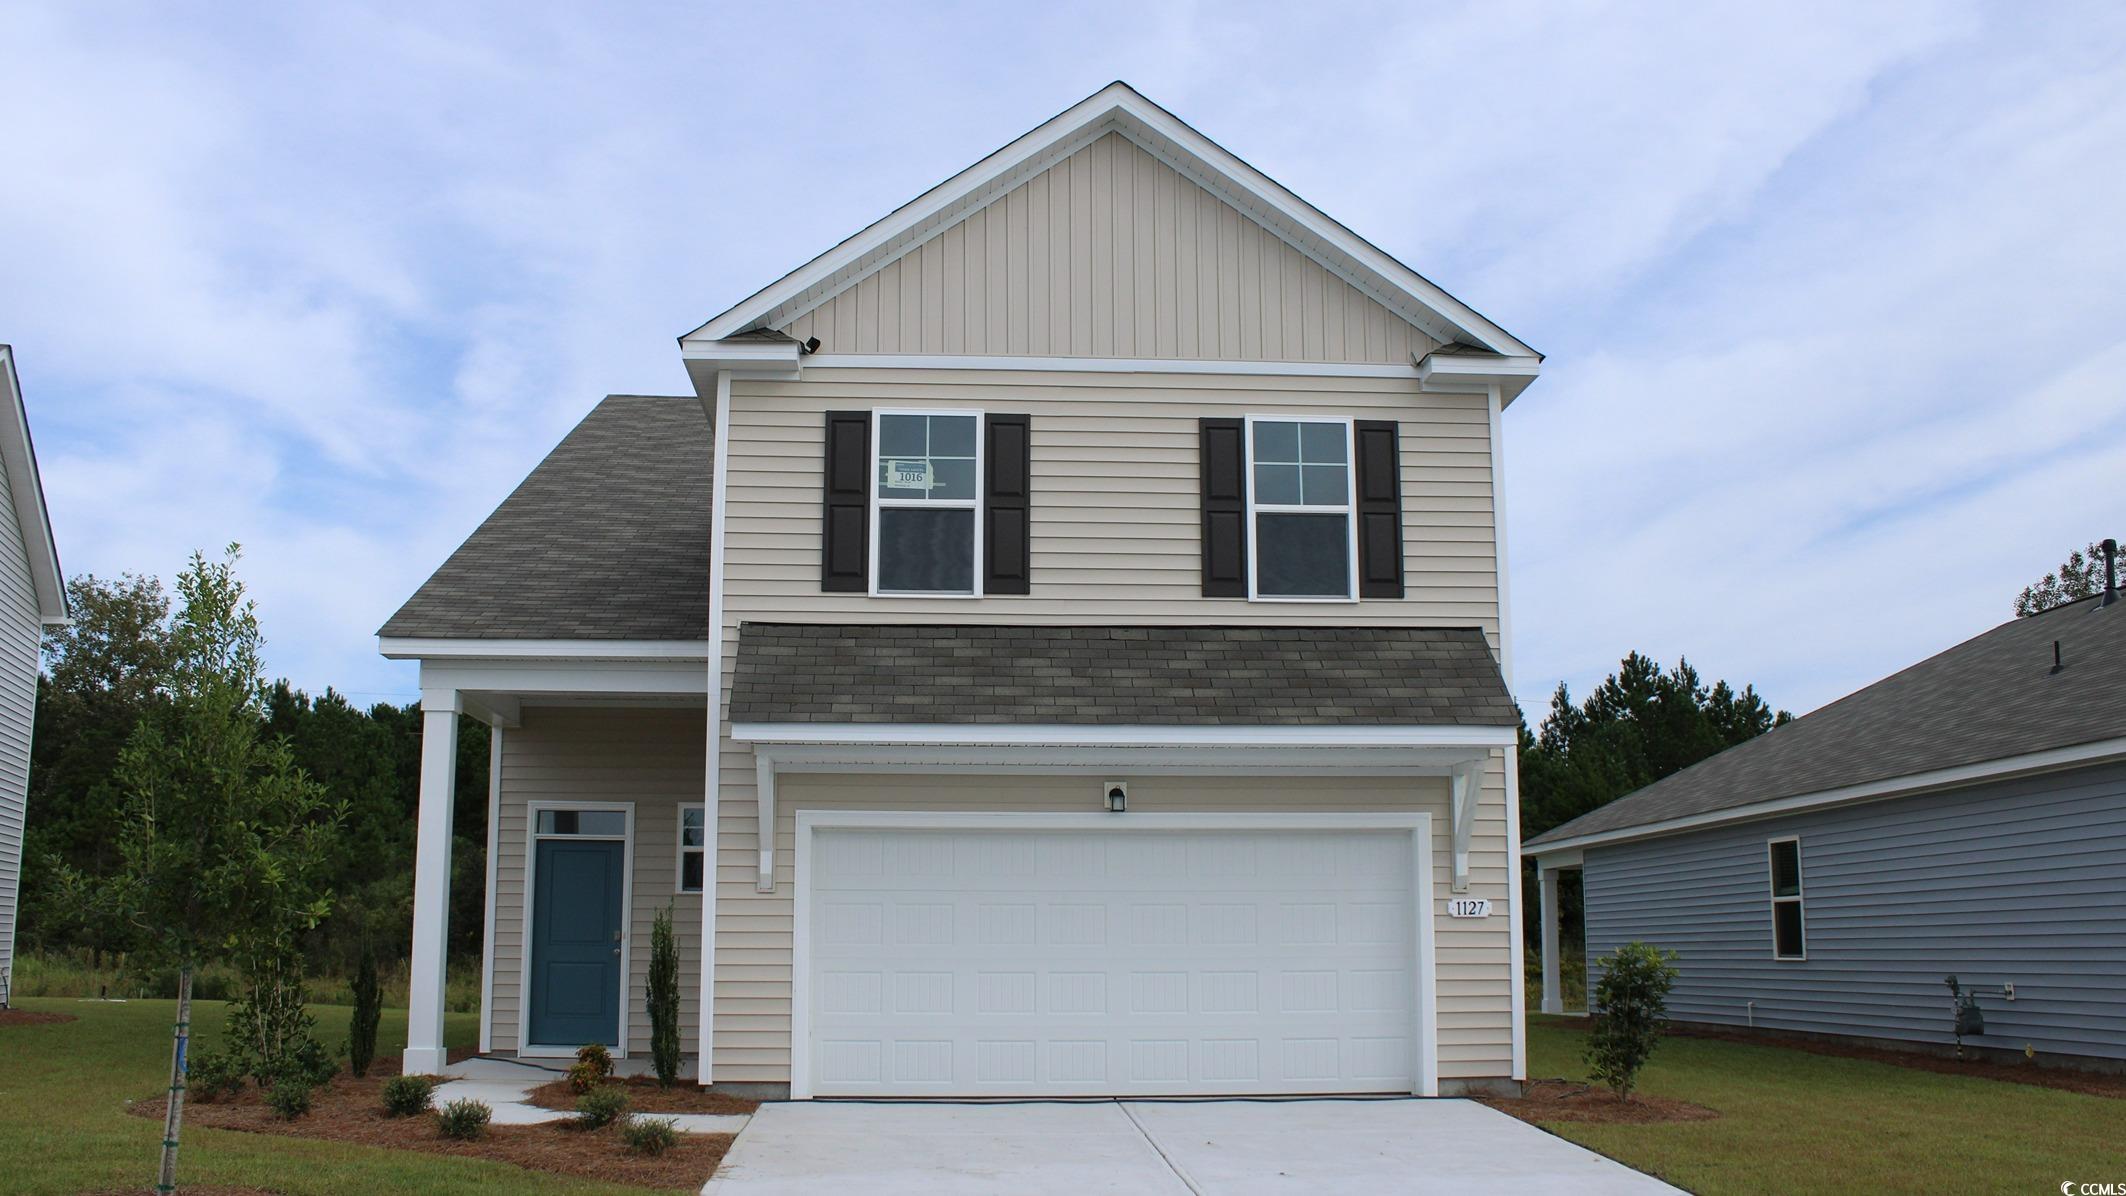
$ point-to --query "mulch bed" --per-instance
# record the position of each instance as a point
(644, 1096)
(23, 1017)
(1563, 1100)
(351, 1110)
(2088, 1083)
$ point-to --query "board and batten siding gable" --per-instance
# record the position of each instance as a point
(21, 635)
(2012, 882)
(1111, 253)
(651, 757)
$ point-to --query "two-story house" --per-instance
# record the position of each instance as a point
(1056, 650)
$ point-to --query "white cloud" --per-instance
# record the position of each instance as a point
(1830, 289)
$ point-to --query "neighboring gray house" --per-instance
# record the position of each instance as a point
(31, 596)
(1966, 816)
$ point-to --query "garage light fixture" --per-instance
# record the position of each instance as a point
(1117, 796)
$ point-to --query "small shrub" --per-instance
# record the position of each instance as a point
(289, 1097)
(600, 1107)
(594, 1056)
(408, 1096)
(649, 1135)
(1627, 1006)
(464, 1120)
(662, 996)
(368, 1009)
(211, 1075)
(582, 1078)
(311, 1063)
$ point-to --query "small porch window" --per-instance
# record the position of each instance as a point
(1788, 939)
(693, 847)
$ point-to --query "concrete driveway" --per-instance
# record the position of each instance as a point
(1167, 1148)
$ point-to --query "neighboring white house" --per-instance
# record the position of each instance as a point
(1057, 649)
(32, 595)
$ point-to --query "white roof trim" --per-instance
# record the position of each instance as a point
(26, 489)
(414, 648)
(1106, 365)
(1119, 735)
(2007, 767)
(1117, 108)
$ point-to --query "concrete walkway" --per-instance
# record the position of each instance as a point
(1159, 1148)
(502, 1084)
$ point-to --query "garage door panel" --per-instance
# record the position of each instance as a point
(1089, 962)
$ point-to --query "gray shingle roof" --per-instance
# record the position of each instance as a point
(607, 539)
(1191, 676)
(1987, 698)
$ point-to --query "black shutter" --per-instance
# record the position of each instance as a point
(1224, 470)
(1380, 510)
(846, 536)
(1007, 492)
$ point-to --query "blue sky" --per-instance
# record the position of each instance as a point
(1831, 293)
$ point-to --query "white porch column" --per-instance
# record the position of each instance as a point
(431, 882)
(1553, 988)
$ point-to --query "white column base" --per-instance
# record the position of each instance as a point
(424, 1061)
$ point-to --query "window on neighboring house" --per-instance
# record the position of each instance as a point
(693, 847)
(1787, 936)
(1301, 544)
(928, 477)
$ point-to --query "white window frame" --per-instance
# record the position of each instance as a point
(680, 848)
(877, 504)
(1798, 900)
(1349, 510)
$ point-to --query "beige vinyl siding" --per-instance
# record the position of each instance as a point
(754, 951)
(1111, 253)
(651, 757)
(1115, 540)
(21, 633)
(1115, 496)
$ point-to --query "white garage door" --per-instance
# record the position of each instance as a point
(1087, 962)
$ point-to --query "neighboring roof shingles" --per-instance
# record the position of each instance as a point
(1985, 699)
(608, 539)
(1192, 676)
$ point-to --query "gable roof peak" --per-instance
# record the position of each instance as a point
(1116, 108)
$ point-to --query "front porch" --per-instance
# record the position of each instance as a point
(593, 759)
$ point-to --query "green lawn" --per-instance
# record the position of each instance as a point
(1796, 1122)
(63, 1128)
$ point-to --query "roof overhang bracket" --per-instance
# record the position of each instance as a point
(764, 803)
(1466, 787)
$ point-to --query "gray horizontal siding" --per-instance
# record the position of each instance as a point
(20, 634)
(2020, 882)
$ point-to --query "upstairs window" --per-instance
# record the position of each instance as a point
(926, 477)
(1788, 940)
(1300, 536)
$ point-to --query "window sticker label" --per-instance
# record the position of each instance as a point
(906, 475)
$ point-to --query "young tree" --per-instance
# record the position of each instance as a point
(663, 998)
(2080, 576)
(225, 838)
(1627, 1005)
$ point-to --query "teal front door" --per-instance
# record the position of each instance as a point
(577, 916)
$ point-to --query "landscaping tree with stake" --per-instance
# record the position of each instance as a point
(225, 839)
(1627, 1006)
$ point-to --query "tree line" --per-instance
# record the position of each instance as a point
(114, 667)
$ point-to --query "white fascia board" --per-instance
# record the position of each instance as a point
(740, 354)
(26, 490)
(533, 678)
(1106, 365)
(411, 648)
(1478, 375)
(1119, 108)
(1030, 735)
(2008, 767)
(1197, 760)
